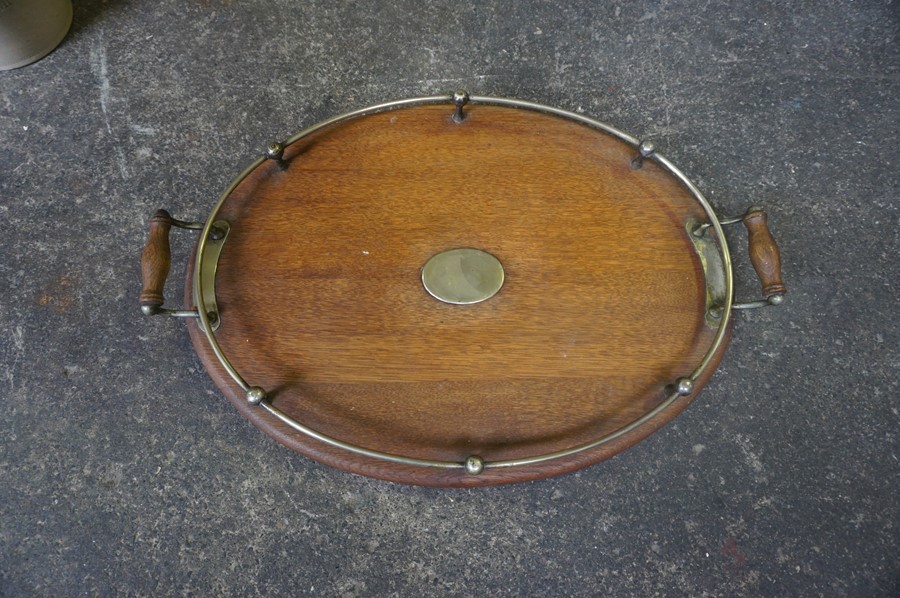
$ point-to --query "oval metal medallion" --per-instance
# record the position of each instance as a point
(462, 276)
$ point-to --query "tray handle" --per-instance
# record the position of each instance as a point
(156, 259)
(764, 254)
(765, 257)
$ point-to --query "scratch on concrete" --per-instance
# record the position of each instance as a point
(751, 458)
(142, 130)
(664, 86)
(458, 80)
(18, 339)
(101, 70)
(98, 65)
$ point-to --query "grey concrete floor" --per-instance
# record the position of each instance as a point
(124, 472)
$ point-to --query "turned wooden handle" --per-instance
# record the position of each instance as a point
(764, 253)
(155, 261)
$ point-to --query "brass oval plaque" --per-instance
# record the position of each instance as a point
(462, 276)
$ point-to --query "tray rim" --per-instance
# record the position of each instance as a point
(256, 397)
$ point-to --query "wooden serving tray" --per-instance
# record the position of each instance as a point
(322, 334)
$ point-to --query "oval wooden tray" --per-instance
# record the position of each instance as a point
(320, 300)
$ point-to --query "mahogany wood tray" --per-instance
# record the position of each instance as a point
(580, 293)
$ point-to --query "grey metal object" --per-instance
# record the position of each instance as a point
(474, 465)
(187, 224)
(31, 29)
(645, 150)
(460, 99)
(255, 395)
(275, 150)
(462, 276)
(684, 386)
(774, 300)
(701, 228)
(155, 310)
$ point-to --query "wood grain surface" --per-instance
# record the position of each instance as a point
(322, 304)
(156, 259)
(764, 254)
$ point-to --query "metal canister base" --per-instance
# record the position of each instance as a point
(31, 29)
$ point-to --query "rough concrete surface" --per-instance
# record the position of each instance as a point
(124, 472)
